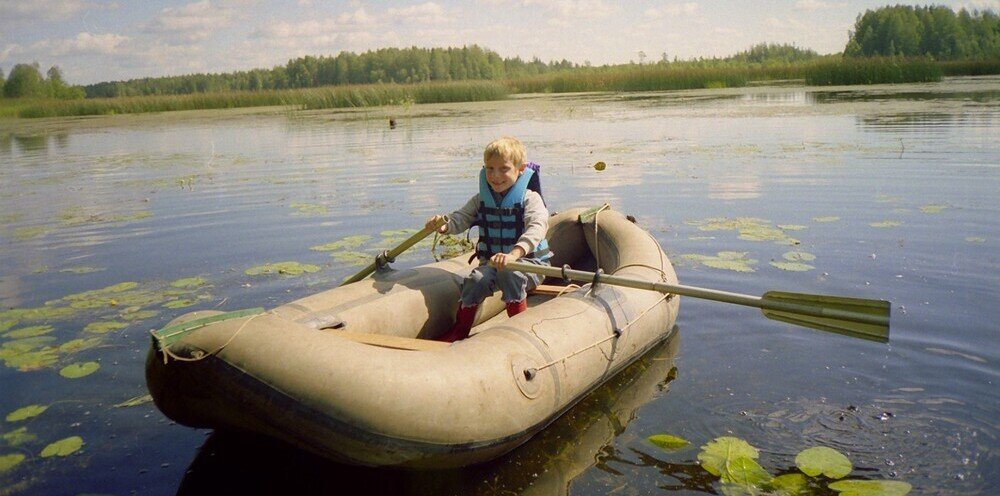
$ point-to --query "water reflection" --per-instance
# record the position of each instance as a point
(547, 464)
(924, 121)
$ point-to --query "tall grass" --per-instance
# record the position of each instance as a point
(981, 67)
(879, 70)
(632, 78)
(311, 98)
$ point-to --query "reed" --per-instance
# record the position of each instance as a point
(876, 70)
(311, 98)
(979, 67)
(632, 78)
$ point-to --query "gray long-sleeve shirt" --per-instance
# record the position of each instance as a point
(536, 219)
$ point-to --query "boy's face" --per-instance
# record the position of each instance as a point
(501, 174)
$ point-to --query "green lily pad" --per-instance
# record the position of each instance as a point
(18, 437)
(309, 208)
(719, 454)
(736, 261)
(789, 485)
(26, 412)
(282, 268)
(104, 327)
(63, 447)
(746, 473)
(81, 270)
(134, 314)
(75, 345)
(668, 442)
(348, 242)
(975, 239)
(189, 282)
(886, 224)
(798, 256)
(78, 370)
(871, 488)
(933, 208)
(822, 460)
(793, 266)
(8, 462)
(792, 227)
(828, 218)
(353, 257)
(179, 303)
(397, 233)
(29, 360)
(28, 332)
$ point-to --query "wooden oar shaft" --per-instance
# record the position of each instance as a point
(393, 253)
(702, 293)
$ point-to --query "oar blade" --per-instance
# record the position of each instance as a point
(854, 317)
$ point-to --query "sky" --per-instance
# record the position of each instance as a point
(98, 40)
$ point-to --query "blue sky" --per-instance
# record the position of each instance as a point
(98, 40)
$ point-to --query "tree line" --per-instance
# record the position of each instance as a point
(26, 81)
(933, 31)
(385, 65)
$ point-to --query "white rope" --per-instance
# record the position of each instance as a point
(198, 355)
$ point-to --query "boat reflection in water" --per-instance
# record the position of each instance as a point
(547, 464)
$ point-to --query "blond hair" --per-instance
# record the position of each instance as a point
(508, 148)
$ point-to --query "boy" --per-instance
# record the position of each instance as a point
(512, 222)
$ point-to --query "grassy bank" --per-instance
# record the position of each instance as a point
(654, 77)
(311, 98)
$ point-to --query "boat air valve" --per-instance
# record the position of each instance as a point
(530, 374)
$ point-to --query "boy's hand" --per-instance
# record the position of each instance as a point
(500, 260)
(437, 223)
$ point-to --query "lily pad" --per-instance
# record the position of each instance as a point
(75, 345)
(353, 257)
(793, 266)
(309, 208)
(736, 261)
(822, 460)
(348, 242)
(719, 454)
(933, 208)
(668, 442)
(871, 488)
(282, 268)
(81, 270)
(8, 462)
(189, 282)
(179, 303)
(28, 332)
(18, 437)
(798, 256)
(828, 218)
(792, 227)
(26, 412)
(886, 224)
(78, 370)
(789, 485)
(104, 327)
(746, 473)
(63, 447)
(975, 239)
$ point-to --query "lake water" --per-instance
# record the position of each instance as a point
(888, 192)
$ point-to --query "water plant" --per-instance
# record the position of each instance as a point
(734, 462)
(63, 447)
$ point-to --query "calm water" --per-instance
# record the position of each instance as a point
(893, 190)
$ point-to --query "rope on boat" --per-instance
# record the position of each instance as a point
(531, 372)
(198, 355)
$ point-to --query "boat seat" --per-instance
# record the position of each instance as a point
(550, 290)
(395, 342)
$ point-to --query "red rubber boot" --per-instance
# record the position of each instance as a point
(463, 324)
(516, 307)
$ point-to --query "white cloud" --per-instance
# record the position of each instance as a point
(673, 10)
(82, 44)
(813, 5)
(425, 13)
(41, 10)
(7, 50)
(192, 22)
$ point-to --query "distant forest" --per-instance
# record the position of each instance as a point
(934, 33)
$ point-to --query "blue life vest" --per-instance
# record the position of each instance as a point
(500, 226)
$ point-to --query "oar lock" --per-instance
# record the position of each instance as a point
(382, 260)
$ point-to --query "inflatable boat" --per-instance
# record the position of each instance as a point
(354, 374)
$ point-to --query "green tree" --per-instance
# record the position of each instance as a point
(24, 81)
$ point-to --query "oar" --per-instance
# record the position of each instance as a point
(856, 317)
(391, 255)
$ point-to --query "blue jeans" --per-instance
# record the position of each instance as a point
(484, 280)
